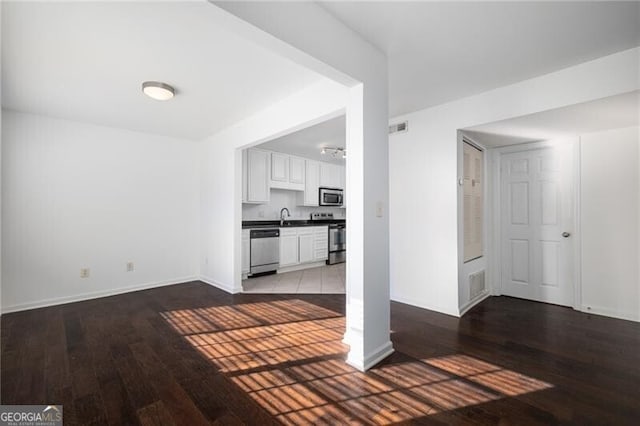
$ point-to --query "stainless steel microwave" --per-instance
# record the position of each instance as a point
(330, 197)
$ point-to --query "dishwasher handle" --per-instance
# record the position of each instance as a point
(264, 233)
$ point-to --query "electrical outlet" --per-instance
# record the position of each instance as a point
(261, 213)
(129, 266)
(84, 272)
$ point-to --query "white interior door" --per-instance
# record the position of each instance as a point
(537, 219)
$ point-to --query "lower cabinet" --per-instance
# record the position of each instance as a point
(288, 247)
(303, 245)
(246, 251)
(305, 242)
(320, 243)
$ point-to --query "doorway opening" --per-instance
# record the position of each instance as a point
(294, 212)
(561, 207)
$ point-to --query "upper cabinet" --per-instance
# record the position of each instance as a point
(279, 167)
(287, 172)
(256, 169)
(312, 182)
(319, 174)
(331, 176)
(296, 170)
(245, 170)
(263, 170)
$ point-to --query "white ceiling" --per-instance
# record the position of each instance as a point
(86, 61)
(442, 51)
(309, 142)
(603, 114)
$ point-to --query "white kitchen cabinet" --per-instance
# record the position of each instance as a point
(263, 170)
(287, 172)
(258, 168)
(320, 243)
(279, 167)
(296, 170)
(244, 175)
(246, 251)
(327, 173)
(288, 247)
(305, 245)
(309, 197)
(330, 176)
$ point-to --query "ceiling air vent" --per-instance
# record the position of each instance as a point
(399, 127)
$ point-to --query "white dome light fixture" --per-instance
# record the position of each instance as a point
(158, 90)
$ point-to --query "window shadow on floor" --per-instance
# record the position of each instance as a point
(287, 355)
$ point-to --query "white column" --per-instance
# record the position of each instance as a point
(367, 298)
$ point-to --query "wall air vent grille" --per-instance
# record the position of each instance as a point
(476, 284)
(399, 127)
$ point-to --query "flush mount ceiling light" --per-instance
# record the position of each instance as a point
(334, 152)
(158, 90)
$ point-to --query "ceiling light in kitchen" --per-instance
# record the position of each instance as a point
(334, 152)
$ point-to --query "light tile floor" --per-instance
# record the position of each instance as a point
(327, 279)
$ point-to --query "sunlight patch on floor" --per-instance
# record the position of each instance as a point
(488, 375)
(288, 356)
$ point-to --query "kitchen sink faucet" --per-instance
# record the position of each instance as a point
(282, 215)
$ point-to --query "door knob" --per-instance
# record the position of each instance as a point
(566, 234)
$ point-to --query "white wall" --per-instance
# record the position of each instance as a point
(77, 196)
(424, 166)
(1, 171)
(284, 198)
(609, 217)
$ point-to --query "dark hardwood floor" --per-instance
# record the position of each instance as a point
(190, 354)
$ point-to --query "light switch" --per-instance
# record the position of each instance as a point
(379, 209)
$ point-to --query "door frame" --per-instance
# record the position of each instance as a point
(495, 229)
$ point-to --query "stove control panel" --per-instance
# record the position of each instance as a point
(321, 216)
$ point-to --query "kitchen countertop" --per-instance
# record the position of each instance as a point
(252, 224)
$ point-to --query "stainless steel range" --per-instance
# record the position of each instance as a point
(337, 243)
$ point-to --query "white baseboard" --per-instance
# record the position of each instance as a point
(224, 287)
(348, 337)
(440, 310)
(470, 304)
(372, 359)
(608, 312)
(93, 295)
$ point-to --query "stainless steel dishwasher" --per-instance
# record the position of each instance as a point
(265, 250)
